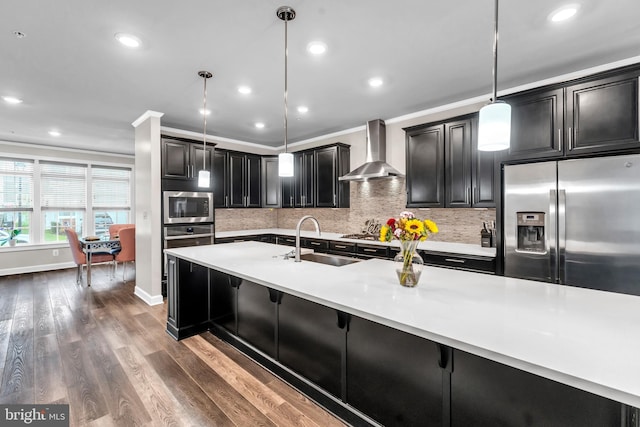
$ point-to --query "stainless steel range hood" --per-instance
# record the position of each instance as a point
(375, 165)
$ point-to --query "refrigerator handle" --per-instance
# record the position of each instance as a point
(562, 233)
(552, 236)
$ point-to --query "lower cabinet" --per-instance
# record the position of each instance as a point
(392, 376)
(223, 300)
(256, 318)
(487, 393)
(188, 310)
(311, 338)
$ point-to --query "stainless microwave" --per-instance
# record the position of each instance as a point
(182, 207)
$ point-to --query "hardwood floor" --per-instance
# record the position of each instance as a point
(106, 353)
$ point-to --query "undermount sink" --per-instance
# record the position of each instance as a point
(335, 260)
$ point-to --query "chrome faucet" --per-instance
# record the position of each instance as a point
(315, 221)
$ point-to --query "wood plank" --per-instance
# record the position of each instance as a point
(43, 315)
(49, 378)
(183, 387)
(5, 334)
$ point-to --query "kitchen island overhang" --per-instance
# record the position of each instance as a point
(582, 338)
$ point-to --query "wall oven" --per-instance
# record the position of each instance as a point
(184, 207)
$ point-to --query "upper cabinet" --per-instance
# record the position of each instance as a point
(270, 182)
(600, 115)
(315, 182)
(244, 180)
(183, 159)
(220, 179)
(444, 168)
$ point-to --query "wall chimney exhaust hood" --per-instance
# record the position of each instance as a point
(375, 165)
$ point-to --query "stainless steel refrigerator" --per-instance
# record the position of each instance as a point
(574, 222)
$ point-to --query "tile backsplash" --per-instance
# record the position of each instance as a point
(378, 199)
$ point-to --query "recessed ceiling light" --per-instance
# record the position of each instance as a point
(128, 40)
(205, 112)
(303, 109)
(11, 100)
(259, 125)
(54, 133)
(316, 48)
(375, 82)
(245, 90)
(19, 34)
(564, 13)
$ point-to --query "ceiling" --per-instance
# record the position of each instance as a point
(74, 77)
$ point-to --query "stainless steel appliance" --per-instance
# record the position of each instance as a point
(180, 236)
(183, 207)
(574, 222)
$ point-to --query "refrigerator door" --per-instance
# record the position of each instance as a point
(530, 203)
(599, 224)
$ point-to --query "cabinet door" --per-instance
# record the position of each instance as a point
(201, 157)
(257, 317)
(270, 183)
(392, 376)
(253, 188)
(298, 179)
(458, 164)
(220, 182)
(536, 125)
(223, 300)
(326, 160)
(484, 178)
(425, 167)
(175, 159)
(602, 115)
(308, 179)
(487, 393)
(237, 178)
(310, 342)
(288, 191)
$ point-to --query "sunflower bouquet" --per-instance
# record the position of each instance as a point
(409, 230)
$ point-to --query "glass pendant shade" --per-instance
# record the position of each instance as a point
(494, 127)
(203, 179)
(285, 164)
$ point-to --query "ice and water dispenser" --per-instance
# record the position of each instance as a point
(531, 232)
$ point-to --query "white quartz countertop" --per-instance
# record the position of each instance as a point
(584, 338)
(427, 245)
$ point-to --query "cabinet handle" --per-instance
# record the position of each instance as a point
(369, 250)
(226, 201)
(459, 261)
(303, 200)
(340, 246)
(559, 139)
(468, 195)
(570, 139)
(334, 200)
(316, 243)
(475, 195)
(290, 200)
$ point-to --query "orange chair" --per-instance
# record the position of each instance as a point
(114, 229)
(127, 250)
(80, 258)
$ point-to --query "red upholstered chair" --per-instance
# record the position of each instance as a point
(79, 257)
(127, 248)
(114, 229)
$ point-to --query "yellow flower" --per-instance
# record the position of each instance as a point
(414, 226)
(383, 233)
(431, 226)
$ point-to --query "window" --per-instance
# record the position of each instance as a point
(16, 198)
(110, 189)
(41, 197)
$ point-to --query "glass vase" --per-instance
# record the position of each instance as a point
(408, 263)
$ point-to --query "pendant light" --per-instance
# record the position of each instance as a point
(285, 160)
(494, 124)
(203, 175)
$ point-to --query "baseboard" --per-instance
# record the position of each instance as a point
(36, 268)
(146, 297)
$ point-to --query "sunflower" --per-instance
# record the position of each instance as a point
(414, 226)
(431, 226)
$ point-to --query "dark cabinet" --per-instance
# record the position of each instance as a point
(458, 163)
(487, 393)
(425, 166)
(392, 376)
(220, 179)
(331, 163)
(271, 187)
(298, 190)
(188, 296)
(223, 300)
(485, 178)
(244, 180)
(602, 115)
(183, 159)
(256, 319)
(310, 341)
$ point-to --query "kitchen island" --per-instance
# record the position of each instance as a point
(460, 348)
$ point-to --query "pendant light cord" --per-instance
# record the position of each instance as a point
(495, 54)
(204, 131)
(286, 55)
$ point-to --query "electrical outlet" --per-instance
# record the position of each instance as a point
(56, 252)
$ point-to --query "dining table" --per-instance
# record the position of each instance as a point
(97, 245)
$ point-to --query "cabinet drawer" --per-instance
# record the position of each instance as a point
(236, 239)
(372, 251)
(286, 240)
(342, 247)
(460, 262)
(316, 244)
